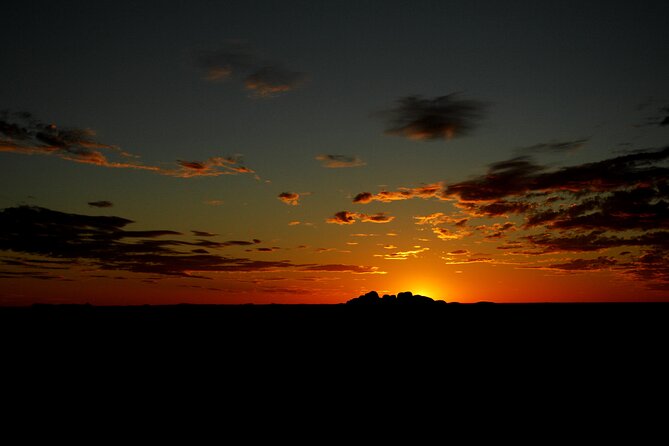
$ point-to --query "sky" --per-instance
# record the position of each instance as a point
(309, 152)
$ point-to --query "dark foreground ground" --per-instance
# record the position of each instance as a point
(357, 326)
(259, 356)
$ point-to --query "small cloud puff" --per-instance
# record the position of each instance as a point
(290, 198)
(339, 161)
(347, 218)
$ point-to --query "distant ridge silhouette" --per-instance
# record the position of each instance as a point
(404, 298)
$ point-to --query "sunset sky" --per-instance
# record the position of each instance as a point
(312, 151)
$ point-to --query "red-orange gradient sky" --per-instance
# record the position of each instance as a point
(309, 152)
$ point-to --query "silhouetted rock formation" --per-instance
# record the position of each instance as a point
(404, 298)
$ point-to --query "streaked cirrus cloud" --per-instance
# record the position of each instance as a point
(555, 146)
(339, 161)
(101, 204)
(21, 133)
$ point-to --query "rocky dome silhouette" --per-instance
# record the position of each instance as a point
(404, 298)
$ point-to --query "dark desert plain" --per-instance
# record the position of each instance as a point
(378, 174)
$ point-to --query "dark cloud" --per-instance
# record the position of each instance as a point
(222, 63)
(356, 269)
(339, 161)
(343, 218)
(203, 234)
(444, 117)
(36, 263)
(499, 208)
(557, 241)
(659, 119)
(270, 81)
(24, 134)
(101, 204)
(652, 268)
(237, 60)
(290, 198)
(103, 242)
(555, 147)
(597, 264)
(505, 178)
(30, 275)
(267, 249)
(347, 218)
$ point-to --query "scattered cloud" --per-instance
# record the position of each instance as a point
(103, 243)
(290, 198)
(555, 147)
(294, 223)
(402, 255)
(203, 234)
(458, 252)
(340, 161)
(214, 202)
(621, 201)
(441, 118)
(438, 218)
(577, 265)
(348, 218)
(356, 269)
(403, 193)
(447, 234)
(21, 133)
(237, 60)
(659, 119)
(101, 204)
(269, 81)
(452, 261)
(211, 167)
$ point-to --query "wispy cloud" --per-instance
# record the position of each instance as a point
(269, 81)
(441, 118)
(356, 269)
(555, 147)
(347, 218)
(101, 204)
(458, 261)
(203, 234)
(211, 167)
(22, 133)
(659, 119)
(263, 78)
(339, 161)
(403, 255)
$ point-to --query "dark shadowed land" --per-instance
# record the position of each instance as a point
(367, 318)
(424, 344)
